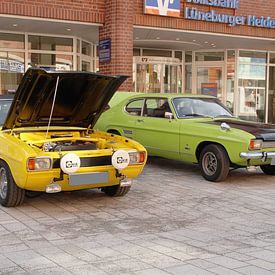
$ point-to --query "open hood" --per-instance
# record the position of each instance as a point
(80, 98)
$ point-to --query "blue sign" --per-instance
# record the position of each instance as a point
(162, 7)
(104, 51)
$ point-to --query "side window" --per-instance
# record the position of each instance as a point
(134, 107)
(156, 107)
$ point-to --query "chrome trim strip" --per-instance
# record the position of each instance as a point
(257, 155)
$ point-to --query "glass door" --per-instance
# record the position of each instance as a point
(209, 81)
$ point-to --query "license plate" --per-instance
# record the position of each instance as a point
(272, 161)
(88, 178)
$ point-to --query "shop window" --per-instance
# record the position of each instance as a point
(178, 55)
(209, 56)
(48, 43)
(136, 52)
(11, 71)
(252, 57)
(252, 91)
(162, 53)
(272, 58)
(188, 79)
(51, 61)
(12, 41)
(78, 46)
(86, 48)
(86, 66)
(188, 57)
(271, 95)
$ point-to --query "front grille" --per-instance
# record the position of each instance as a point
(268, 144)
(88, 162)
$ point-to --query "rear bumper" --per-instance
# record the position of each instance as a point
(257, 155)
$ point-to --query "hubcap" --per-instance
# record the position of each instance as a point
(3, 183)
(209, 163)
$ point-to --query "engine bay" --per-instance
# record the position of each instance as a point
(68, 141)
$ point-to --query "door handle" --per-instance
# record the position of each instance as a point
(140, 120)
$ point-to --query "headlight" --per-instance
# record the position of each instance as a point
(137, 157)
(255, 144)
(39, 163)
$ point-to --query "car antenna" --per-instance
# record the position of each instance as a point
(56, 86)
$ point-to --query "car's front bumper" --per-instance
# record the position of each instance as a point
(257, 155)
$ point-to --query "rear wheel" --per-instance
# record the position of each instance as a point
(116, 190)
(268, 169)
(10, 194)
(214, 163)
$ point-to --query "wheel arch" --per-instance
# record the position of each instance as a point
(204, 144)
(114, 131)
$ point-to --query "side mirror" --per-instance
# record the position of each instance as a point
(168, 115)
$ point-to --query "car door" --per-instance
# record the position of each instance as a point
(158, 129)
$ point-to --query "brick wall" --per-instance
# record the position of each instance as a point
(74, 10)
(118, 27)
(247, 7)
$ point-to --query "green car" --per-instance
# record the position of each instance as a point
(191, 128)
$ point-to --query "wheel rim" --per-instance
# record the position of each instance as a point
(209, 163)
(3, 183)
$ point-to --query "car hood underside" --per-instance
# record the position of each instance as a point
(69, 98)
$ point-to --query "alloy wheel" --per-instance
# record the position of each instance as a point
(3, 183)
(209, 163)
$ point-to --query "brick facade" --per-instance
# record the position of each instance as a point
(119, 16)
(118, 26)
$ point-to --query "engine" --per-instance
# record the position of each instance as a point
(68, 146)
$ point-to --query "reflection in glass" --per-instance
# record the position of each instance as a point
(51, 61)
(252, 57)
(209, 81)
(271, 96)
(48, 43)
(12, 41)
(209, 56)
(252, 89)
(230, 82)
(11, 71)
(86, 48)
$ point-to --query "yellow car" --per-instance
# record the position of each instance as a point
(47, 141)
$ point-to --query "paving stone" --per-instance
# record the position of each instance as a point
(254, 270)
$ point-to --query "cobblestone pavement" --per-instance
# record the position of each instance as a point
(171, 222)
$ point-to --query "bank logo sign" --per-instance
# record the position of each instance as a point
(162, 7)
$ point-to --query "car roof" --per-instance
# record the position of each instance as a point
(120, 96)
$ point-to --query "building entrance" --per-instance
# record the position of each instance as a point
(157, 75)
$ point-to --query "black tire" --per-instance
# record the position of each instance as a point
(32, 194)
(268, 169)
(10, 194)
(214, 163)
(116, 190)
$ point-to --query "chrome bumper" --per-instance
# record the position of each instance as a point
(257, 155)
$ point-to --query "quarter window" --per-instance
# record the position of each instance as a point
(135, 107)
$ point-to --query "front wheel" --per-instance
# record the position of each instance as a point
(214, 163)
(10, 194)
(268, 169)
(116, 190)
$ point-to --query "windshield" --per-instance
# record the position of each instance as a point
(200, 107)
(4, 108)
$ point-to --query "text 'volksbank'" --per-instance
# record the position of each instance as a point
(231, 20)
